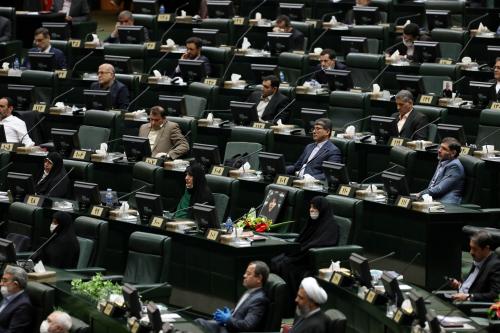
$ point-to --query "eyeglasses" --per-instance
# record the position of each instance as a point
(496, 67)
(4, 280)
(102, 72)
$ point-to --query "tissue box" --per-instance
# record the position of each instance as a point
(228, 238)
(236, 173)
(231, 84)
(184, 19)
(282, 128)
(4, 72)
(115, 214)
(174, 165)
(24, 150)
(416, 144)
(301, 183)
(178, 226)
(48, 276)
(376, 95)
(129, 116)
(424, 207)
(97, 157)
(313, 56)
(91, 45)
(56, 110)
(482, 154)
(205, 122)
(302, 89)
(363, 194)
(167, 48)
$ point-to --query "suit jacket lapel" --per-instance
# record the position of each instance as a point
(408, 121)
(159, 135)
(481, 270)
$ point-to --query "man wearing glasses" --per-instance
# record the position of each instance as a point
(106, 81)
(309, 163)
(125, 18)
(16, 311)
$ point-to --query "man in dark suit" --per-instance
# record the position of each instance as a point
(42, 42)
(447, 184)
(193, 52)
(249, 313)
(5, 29)
(409, 123)
(16, 311)
(75, 10)
(309, 163)
(106, 81)
(483, 281)
(270, 101)
(411, 33)
(327, 60)
(124, 18)
(283, 24)
(165, 136)
(496, 78)
(309, 298)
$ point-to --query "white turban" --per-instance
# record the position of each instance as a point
(314, 292)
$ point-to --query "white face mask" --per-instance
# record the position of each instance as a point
(44, 327)
(407, 43)
(314, 216)
(52, 227)
(4, 291)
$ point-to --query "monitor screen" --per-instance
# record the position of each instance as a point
(136, 147)
(438, 19)
(132, 301)
(123, 65)
(7, 251)
(208, 36)
(383, 128)
(148, 205)
(452, 130)
(205, 217)
(279, 42)
(220, 9)
(86, 194)
(391, 286)
(418, 305)
(243, 113)
(482, 93)
(412, 83)
(394, 184)
(206, 155)
(154, 317)
(23, 96)
(58, 30)
(148, 7)
(336, 174)
(97, 99)
(260, 70)
(20, 185)
(41, 61)
(365, 15)
(131, 34)
(295, 11)
(192, 70)
(360, 268)
(65, 140)
(173, 105)
(309, 116)
(353, 44)
(338, 79)
(426, 51)
(271, 165)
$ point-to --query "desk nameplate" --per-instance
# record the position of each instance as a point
(346, 191)
(218, 170)
(99, 211)
(283, 180)
(403, 202)
(81, 155)
(395, 141)
(213, 235)
(37, 200)
(428, 99)
(158, 222)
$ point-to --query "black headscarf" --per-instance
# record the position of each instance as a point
(63, 251)
(200, 192)
(53, 178)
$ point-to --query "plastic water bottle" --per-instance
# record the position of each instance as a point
(162, 9)
(282, 76)
(229, 225)
(109, 197)
(16, 63)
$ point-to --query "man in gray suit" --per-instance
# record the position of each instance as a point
(164, 136)
(75, 10)
(249, 313)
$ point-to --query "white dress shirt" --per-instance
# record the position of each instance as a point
(402, 120)
(15, 129)
(497, 87)
(311, 156)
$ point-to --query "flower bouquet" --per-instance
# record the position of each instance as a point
(251, 221)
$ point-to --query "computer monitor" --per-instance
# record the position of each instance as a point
(412, 83)
(192, 70)
(20, 185)
(360, 268)
(353, 44)
(3, 138)
(206, 155)
(295, 11)
(97, 99)
(154, 317)
(453, 131)
(208, 36)
(482, 93)
(259, 71)
(438, 19)
(366, 15)
(493, 52)
(426, 51)
(394, 184)
(58, 30)
(86, 194)
(41, 61)
(65, 140)
(391, 286)
(131, 34)
(338, 79)
(336, 174)
(23, 95)
(136, 147)
(7, 251)
(271, 165)
(243, 113)
(173, 105)
(148, 7)
(220, 9)
(383, 128)
(418, 305)
(309, 117)
(123, 65)
(148, 205)
(279, 42)
(132, 301)
(205, 217)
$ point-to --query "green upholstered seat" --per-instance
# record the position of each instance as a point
(137, 53)
(234, 148)
(131, 81)
(86, 247)
(225, 27)
(450, 35)
(364, 67)
(10, 13)
(81, 30)
(42, 299)
(150, 22)
(435, 74)
(373, 32)
(188, 127)
(432, 113)
(258, 135)
(82, 171)
(338, 321)
(349, 155)
(475, 179)
(45, 84)
(66, 48)
(225, 185)
(98, 127)
(277, 292)
(456, 9)
(405, 158)
(489, 121)
(30, 118)
(195, 105)
(202, 90)
(292, 208)
(93, 234)
(346, 107)
(27, 221)
(143, 174)
(4, 160)
(79, 326)
(221, 202)
(307, 29)
(293, 66)
(219, 57)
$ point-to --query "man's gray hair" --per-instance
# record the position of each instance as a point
(19, 275)
(126, 14)
(63, 319)
(405, 95)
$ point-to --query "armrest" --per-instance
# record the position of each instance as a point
(156, 292)
(23, 255)
(471, 206)
(87, 271)
(286, 235)
(322, 257)
(468, 306)
(481, 312)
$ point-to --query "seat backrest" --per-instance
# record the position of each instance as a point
(80, 30)
(221, 202)
(95, 231)
(195, 105)
(240, 148)
(347, 213)
(474, 179)
(292, 65)
(346, 106)
(226, 185)
(225, 27)
(187, 125)
(277, 292)
(292, 207)
(150, 22)
(79, 326)
(148, 258)
(406, 158)
(432, 113)
(450, 35)
(364, 67)
(98, 127)
(31, 118)
(131, 81)
(91, 137)
(338, 321)
(379, 32)
(10, 13)
(249, 134)
(42, 299)
(143, 174)
(82, 171)
(218, 57)
(4, 160)
(66, 48)
(45, 84)
(431, 69)
(86, 249)
(489, 121)
(203, 90)
(25, 220)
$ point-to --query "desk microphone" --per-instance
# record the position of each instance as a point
(318, 38)
(464, 48)
(137, 97)
(80, 61)
(382, 257)
(157, 62)
(354, 122)
(7, 57)
(393, 46)
(486, 137)
(406, 17)
(153, 288)
(60, 180)
(61, 95)
(250, 13)
(180, 7)
(409, 264)
(377, 174)
(477, 19)
(223, 77)
(306, 75)
(425, 126)
(282, 110)
(114, 140)
(130, 193)
(173, 24)
(183, 209)
(242, 216)
(35, 254)
(245, 156)
(377, 77)
(32, 128)
(215, 110)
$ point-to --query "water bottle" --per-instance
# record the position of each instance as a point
(109, 197)
(282, 76)
(162, 9)
(229, 225)
(16, 63)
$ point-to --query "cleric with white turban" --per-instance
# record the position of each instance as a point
(310, 318)
(314, 292)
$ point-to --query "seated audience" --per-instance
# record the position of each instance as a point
(327, 61)
(411, 33)
(5, 29)
(124, 18)
(270, 102)
(483, 281)
(310, 317)
(53, 180)
(193, 52)
(447, 184)
(106, 81)
(309, 163)
(15, 128)
(16, 311)
(283, 24)
(75, 10)
(409, 123)
(56, 322)
(197, 191)
(250, 311)
(42, 42)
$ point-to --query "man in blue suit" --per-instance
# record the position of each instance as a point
(447, 184)
(249, 313)
(16, 311)
(42, 42)
(315, 153)
(327, 61)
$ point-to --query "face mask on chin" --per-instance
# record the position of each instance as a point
(44, 327)
(407, 43)
(314, 216)
(52, 227)
(4, 291)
